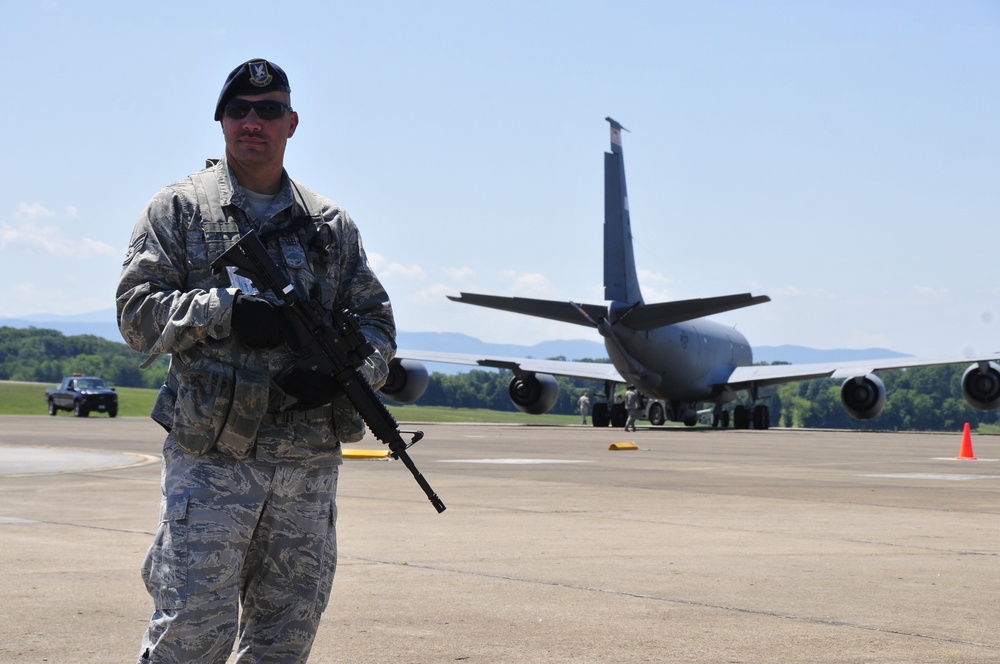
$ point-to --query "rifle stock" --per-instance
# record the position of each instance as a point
(337, 350)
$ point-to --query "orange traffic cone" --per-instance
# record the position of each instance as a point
(966, 452)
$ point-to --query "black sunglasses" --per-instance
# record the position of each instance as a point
(266, 109)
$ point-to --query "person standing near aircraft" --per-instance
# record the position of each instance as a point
(251, 461)
(584, 404)
(631, 407)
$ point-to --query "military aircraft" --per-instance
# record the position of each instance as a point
(669, 350)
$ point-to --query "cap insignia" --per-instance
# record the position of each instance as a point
(259, 75)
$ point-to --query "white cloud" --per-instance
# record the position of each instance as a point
(434, 294)
(794, 291)
(49, 240)
(930, 291)
(399, 271)
(459, 273)
(30, 234)
(527, 284)
(32, 211)
(387, 270)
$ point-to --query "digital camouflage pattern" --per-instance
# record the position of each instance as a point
(169, 301)
(211, 546)
(249, 483)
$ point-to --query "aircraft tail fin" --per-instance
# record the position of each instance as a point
(621, 283)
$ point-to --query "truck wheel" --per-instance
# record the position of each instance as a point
(52, 407)
(79, 410)
(112, 412)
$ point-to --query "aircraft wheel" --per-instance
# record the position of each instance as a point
(761, 417)
(618, 415)
(741, 418)
(599, 417)
(656, 416)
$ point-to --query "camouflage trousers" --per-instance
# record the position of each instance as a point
(243, 550)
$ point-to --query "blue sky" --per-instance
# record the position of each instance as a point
(842, 157)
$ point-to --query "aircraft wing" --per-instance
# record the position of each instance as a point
(742, 377)
(587, 370)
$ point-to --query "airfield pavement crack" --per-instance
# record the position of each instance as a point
(697, 526)
(825, 622)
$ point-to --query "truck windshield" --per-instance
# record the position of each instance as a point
(90, 384)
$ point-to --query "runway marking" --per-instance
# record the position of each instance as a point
(958, 477)
(45, 460)
(14, 519)
(514, 462)
(958, 459)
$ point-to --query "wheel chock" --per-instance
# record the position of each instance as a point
(366, 454)
(623, 446)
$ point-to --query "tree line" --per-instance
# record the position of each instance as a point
(45, 356)
(918, 399)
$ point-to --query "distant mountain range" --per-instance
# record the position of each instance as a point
(101, 324)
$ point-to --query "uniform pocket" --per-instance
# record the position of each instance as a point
(247, 407)
(163, 408)
(165, 569)
(203, 400)
(328, 568)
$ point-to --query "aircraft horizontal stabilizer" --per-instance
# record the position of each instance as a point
(652, 316)
(565, 312)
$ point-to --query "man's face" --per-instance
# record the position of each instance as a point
(253, 142)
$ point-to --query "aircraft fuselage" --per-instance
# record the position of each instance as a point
(680, 362)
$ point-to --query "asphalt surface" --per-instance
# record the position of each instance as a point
(699, 546)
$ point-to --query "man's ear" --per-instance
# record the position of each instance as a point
(294, 123)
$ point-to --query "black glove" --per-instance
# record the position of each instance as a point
(311, 388)
(259, 323)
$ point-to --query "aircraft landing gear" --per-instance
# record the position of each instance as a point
(760, 417)
(599, 416)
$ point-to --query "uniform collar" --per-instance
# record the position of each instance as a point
(232, 193)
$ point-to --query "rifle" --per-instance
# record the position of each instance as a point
(337, 350)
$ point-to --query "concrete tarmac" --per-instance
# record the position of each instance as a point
(700, 546)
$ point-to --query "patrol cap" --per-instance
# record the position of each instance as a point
(253, 77)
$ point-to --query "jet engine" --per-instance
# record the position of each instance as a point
(406, 382)
(863, 396)
(980, 388)
(533, 393)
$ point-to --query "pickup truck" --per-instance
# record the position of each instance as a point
(82, 395)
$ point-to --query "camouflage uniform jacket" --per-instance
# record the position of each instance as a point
(169, 301)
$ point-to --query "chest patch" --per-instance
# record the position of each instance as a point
(293, 253)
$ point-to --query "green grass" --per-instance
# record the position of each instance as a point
(443, 414)
(29, 399)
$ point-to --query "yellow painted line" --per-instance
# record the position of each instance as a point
(623, 446)
(366, 454)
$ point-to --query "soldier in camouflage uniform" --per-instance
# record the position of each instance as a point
(246, 548)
